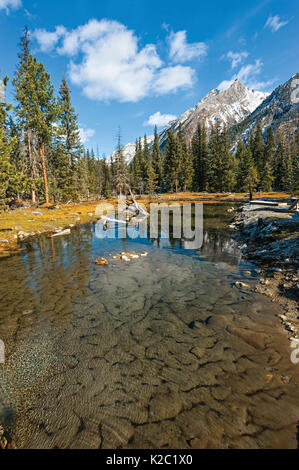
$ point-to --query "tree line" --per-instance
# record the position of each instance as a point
(42, 158)
(264, 163)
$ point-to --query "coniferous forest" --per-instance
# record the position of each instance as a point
(42, 159)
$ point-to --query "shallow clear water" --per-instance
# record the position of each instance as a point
(161, 352)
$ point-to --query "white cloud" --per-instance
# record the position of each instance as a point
(181, 51)
(7, 4)
(275, 23)
(86, 134)
(170, 79)
(248, 75)
(107, 62)
(236, 57)
(47, 40)
(225, 84)
(159, 120)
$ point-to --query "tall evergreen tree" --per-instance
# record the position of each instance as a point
(221, 165)
(25, 82)
(157, 159)
(69, 129)
(283, 166)
(120, 168)
(258, 150)
(247, 177)
(200, 152)
(172, 162)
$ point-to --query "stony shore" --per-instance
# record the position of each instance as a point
(271, 240)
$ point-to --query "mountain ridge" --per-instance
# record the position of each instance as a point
(238, 107)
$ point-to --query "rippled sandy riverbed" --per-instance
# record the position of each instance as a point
(162, 352)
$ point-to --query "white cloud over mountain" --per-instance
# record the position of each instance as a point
(181, 51)
(236, 57)
(249, 76)
(159, 120)
(108, 63)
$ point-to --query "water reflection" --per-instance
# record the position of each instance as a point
(106, 357)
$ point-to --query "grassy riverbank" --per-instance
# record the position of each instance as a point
(18, 224)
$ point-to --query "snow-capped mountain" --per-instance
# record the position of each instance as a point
(129, 149)
(279, 110)
(227, 107)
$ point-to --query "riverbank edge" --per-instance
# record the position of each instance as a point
(22, 223)
(270, 240)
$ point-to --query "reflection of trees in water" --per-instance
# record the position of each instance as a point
(220, 246)
(58, 270)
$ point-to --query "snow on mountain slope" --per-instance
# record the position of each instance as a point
(228, 107)
(129, 150)
(279, 110)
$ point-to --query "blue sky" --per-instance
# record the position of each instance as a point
(136, 63)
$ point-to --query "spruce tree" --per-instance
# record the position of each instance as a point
(199, 146)
(120, 168)
(258, 150)
(295, 163)
(172, 162)
(247, 176)
(70, 141)
(186, 162)
(157, 159)
(266, 172)
(283, 166)
(25, 92)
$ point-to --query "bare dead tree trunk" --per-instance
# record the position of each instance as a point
(42, 156)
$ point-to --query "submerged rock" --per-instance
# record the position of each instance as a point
(101, 262)
(240, 284)
(127, 256)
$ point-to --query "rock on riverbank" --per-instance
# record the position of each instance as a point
(271, 240)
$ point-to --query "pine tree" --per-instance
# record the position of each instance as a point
(25, 83)
(70, 141)
(258, 150)
(139, 165)
(172, 162)
(269, 147)
(199, 145)
(283, 166)
(44, 116)
(13, 181)
(187, 171)
(267, 178)
(247, 177)
(157, 159)
(186, 162)
(120, 168)
(37, 109)
(151, 180)
(221, 166)
(266, 172)
(295, 163)
(149, 175)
